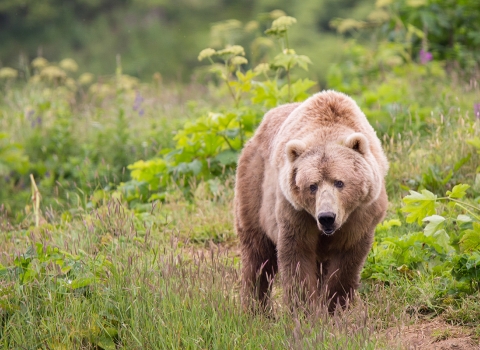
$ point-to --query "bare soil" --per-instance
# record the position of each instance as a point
(432, 335)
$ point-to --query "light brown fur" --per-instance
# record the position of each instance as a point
(309, 192)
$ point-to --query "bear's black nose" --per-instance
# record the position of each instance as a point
(326, 219)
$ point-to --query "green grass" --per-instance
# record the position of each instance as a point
(163, 291)
(158, 295)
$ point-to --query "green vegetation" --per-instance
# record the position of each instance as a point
(116, 204)
(162, 36)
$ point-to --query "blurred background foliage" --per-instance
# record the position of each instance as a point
(133, 107)
(162, 36)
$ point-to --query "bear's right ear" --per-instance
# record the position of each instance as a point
(358, 142)
(294, 149)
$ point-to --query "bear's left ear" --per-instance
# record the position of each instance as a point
(294, 149)
(358, 142)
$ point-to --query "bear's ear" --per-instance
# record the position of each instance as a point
(358, 142)
(294, 149)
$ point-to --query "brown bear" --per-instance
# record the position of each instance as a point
(309, 192)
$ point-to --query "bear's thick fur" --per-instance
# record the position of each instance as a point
(309, 192)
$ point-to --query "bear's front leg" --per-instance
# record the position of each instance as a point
(297, 261)
(344, 274)
(259, 261)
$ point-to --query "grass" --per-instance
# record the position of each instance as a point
(163, 291)
(158, 295)
(104, 274)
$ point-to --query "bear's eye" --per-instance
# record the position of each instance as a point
(313, 188)
(338, 184)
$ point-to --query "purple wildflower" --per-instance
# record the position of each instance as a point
(36, 122)
(137, 104)
(425, 56)
(138, 101)
(476, 110)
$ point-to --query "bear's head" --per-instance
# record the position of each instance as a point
(330, 181)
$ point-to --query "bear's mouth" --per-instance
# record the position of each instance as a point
(328, 231)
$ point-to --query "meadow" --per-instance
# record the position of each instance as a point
(116, 221)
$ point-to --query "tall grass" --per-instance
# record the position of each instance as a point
(159, 295)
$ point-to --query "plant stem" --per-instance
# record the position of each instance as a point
(289, 84)
(463, 206)
(468, 211)
(235, 99)
(36, 197)
(460, 202)
(228, 143)
(287, 48)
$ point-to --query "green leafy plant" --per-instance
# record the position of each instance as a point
(437, 179)
(449, 243)
(53, 274)
(406, 56)
(427, 28)
(208, 147)
(58, 268)
(74, 134)
(12, 157)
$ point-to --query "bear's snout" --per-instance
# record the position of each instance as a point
(327, 221)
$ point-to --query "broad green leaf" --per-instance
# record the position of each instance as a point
(470, 241)
(299, 89)
(28, 276)
(285, 61)
(66, 269)
(435, 223)
(227, 157)
(112, 332)
(194, 167)
(303, 62)
(463, 218)
(248, 121)
(106, 343)
(419, 205)
(465, 268)
(458, 191)
(442, 238)
(231, 133)
(82, 282)
(473, 261)
(388, 224)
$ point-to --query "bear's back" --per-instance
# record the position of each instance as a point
(269, 128)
